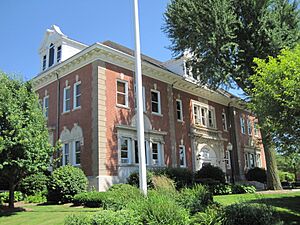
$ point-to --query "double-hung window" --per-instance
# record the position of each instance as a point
(66, 154)
(125, 150)
(224, 122)
(77, 149)
(182, 156)
(122, 93)
(249, 126)
(67, 99)
(242, 121)
(204, 115)
(46, 106)
(155, 153)
(155, 102)
(51, 55)
(77, 95)
(179, 113)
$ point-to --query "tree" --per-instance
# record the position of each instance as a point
(24, 139)
(289, 163)
(223, 37)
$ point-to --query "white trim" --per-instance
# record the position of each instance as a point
(184, 155)
(242, 124)
(76, 96)
(64, 154)
(158, 102)
(249, 127)
(202, 114)
(121, 93)
(64, 100)
(224, 121)
(74, 153)
(180, 110)
(46, 109)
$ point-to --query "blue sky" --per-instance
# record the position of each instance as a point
(23, 25)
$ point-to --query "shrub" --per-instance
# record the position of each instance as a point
(242, 189)
(37, 198)
(64, 183)
(78, 220)
(221, 189)
(89, 199)
(210, 216)
(159, 208)
(120, 195)
(286, 176)
(250, 214)
(183, 177)
(4, 197)
(257, 174)
(35, 183)
(163, 183)
(133, 179)
(195, 199)
(211, 172)
(121, 217)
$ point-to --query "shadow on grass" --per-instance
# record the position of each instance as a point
(290, 207)
(6, 211)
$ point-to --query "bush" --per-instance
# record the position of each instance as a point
(257, 174)
(89, 199)
(210, 216)
(64, 183)
(37, 198)
(286, 176)
(211, 172)
(78, 220)
(133, 179)
(4, 197)
(242, 189)
(183, 177)
(221, 189)
(159, 208)
(163, 183)
(35, 183)
(195, 199)
(250, 214)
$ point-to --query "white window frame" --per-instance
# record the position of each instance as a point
(64, 154)
(256, 130)
(65, 99)
(121, 93)
(249, 127)
(228, 158)
(247, 162)
(58, 51)
(74, 153)
(129, 149)
(46, 109)
(243, 127)
(202, 114)
(76, 96)
(179, 111)
(258, 160)
(224, 122)
(157, 162)
(182, 147)
(158, 102)
(44, 62)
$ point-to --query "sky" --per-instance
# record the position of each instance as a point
(24, 23)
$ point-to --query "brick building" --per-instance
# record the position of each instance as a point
(87, 93)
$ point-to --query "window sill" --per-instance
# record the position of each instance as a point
(76, 108)
(180, 121)
(123, 106)
(157, 114)
(66, 112)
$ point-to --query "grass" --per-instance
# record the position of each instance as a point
(43, 214)
(286, 204)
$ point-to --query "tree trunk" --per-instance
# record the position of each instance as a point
(273, 181)
(11, 195)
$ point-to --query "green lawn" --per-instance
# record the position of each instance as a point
(43, 215)
(287, 204)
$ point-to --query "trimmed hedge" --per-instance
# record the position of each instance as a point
(210, 172)
(257, 174)
(89, 199)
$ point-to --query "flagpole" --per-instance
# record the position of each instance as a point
(139, 98)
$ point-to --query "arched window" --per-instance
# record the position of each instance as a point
(51, 54)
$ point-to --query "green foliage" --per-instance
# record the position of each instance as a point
(290, 163)
(78, 219)
(242, 189)
(4, 197)
(250, 214)
(89, 199)
(286, 176)
(163, 183)
(35, 183)
(257, 174)
(24, 145)
(38, 197)
(133, 179)
(159, 208)
(211, 172)
(65, 182)
(210, 216)
(233, 33)
(195, 199)
(221, 189)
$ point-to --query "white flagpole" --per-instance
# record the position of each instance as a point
(139, 98)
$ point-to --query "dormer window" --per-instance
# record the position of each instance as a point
(44, 62)
(51, 55)
(58, 56)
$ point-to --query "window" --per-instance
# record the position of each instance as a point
(228, 159)
(182, 156)
(250, 161)
(77, 152)
(46, 105)
(242, 121)
(258, 160)
(155, 153)
(155, 102)
(246, 160)
(77, 94)
(58, 54)
(135, 98)
(255, 129)
(122, 93)
(67, 99)
(249, 126)
(51, 55)
(204, 115)
(179, 110)
(44, 62)
(125, 150)
(66, 155)
(224, 121)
